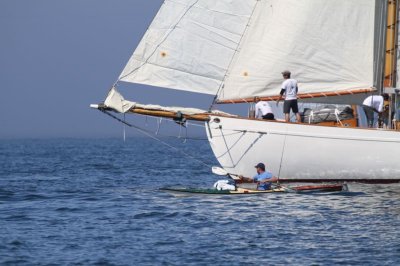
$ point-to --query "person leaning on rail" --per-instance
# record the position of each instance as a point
(374, 104)
(263, 109)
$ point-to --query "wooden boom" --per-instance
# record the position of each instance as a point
(301, 96)
(170, 114)
(176, 115)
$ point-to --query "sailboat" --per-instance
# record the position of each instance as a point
(339, 51)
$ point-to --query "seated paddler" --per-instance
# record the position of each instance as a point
(264, 179)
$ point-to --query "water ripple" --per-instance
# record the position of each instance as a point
(97, 203)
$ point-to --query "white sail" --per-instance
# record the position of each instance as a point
(189, 45)
(328, 46)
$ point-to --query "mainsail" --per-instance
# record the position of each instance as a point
(237, 49)
(328, 46)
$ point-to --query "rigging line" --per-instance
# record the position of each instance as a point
(337, 113)
(187, 123)
(171, 121)
(124, 129)
(249, 131)
(148, 131)
(155, 138)
(162, 41)
(283, 151)
(159, 121)
(186, 132)
(191, 124)
(221, 86)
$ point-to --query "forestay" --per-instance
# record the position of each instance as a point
(328, 46)
(190, 44)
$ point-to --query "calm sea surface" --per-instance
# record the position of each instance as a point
(95, 202)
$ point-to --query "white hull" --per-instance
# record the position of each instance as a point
(305, 152)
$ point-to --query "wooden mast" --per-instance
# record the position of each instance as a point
(391, 44)
(390, 68)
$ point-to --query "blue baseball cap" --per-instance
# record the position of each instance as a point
(260, 165)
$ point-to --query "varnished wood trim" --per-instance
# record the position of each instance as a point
(300, 96)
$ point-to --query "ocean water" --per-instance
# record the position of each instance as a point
(96, 202)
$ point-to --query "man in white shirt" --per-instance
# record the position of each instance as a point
(289, 89)
(263, 109)
(374, 104)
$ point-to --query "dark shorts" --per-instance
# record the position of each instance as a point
(290, 104)
(369, 112)
(269, 116)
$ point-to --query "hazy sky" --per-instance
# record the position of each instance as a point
(57, 57)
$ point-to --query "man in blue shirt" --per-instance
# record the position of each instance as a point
(263, 178)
